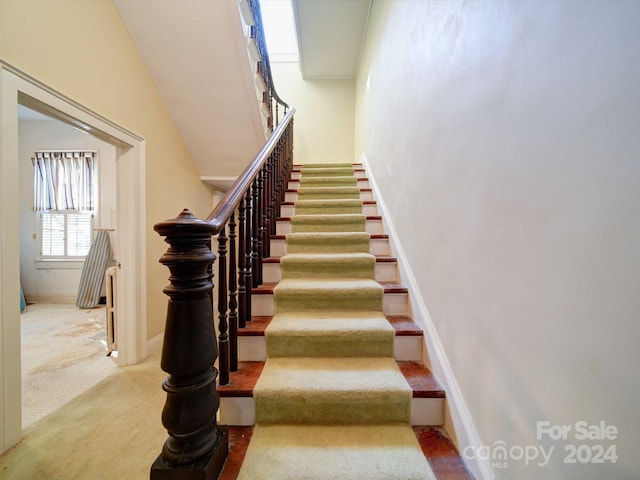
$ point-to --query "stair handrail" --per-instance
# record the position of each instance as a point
(221, 213)
(196, 443)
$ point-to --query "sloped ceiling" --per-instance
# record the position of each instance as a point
(196, 54)
(330, 36)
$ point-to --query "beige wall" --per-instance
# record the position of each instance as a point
(82, 49)
(504, 139)
(324, 119)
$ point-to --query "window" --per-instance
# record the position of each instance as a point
(65, 193)
(65, 235)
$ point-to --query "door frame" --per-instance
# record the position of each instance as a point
(16, 87)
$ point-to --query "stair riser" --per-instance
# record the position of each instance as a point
(367, 209)
(373, 226)
(360, 182)
(377, 246)
(242, 411)
(385, 272)
(254, 349)
(393, 304)
(292, 196)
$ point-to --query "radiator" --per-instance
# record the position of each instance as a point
(111, 282)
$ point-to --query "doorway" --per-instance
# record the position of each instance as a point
(63, 347)
(18, 88)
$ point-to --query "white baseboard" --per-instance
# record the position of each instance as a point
(154, 344)
(458, 420)
(31, 298)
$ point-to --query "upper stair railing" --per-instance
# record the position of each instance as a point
(271, 101)
(241, 225)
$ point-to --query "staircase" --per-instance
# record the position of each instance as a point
(332, 352)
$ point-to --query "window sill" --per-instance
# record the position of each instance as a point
(59, 264)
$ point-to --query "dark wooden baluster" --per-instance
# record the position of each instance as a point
(267, 208)
(261, 225)
(275, 185)
(196, 447)
(248, 267)
(233, 293)
(223, 326)
(255, 232)
(242, 262)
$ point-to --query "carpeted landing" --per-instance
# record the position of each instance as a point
(331, 402)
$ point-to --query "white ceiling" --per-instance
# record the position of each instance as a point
(330, 36)
(196, 54)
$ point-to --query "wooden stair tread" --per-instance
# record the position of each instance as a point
(442, 454)
(242, 382)
(436, 445)
(256, 327)
(419, 377)
(405, 326)
(421, 380)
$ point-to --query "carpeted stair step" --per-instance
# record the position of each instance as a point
(346, 294)
(330, 334)
(371, 452)
(368, 208)
(324, 172)
(436, 445)
(395, 300)
(312, 166)
(408, 338)
(307, 390)
(329, 223)
(326, 265)
(324, 181)
(345, 222)
(385, 268)
(306, 181)
(375, 244)
(356, 171)
(237, 404)
(322, 193)
(327, 242)
(331, 206)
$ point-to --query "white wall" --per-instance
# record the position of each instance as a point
(505, 139)
(58, 284)
(324, 119)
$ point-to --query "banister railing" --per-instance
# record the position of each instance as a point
(243, 222)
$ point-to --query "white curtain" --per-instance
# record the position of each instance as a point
(65, 180)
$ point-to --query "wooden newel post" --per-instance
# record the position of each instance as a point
(196, 447)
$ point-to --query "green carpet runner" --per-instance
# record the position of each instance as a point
(331, 402)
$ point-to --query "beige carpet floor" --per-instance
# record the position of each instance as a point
(112, 431)
(63, 355)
